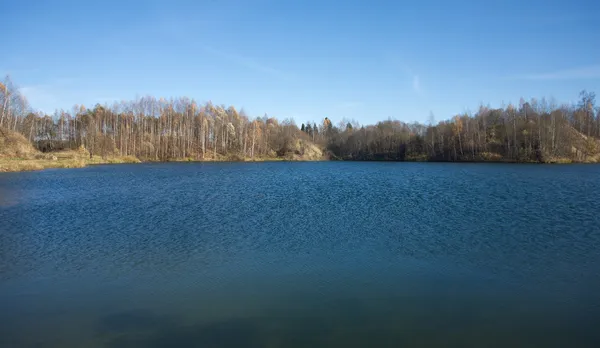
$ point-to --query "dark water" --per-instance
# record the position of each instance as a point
(301, 255)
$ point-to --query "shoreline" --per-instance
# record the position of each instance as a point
(13, 165)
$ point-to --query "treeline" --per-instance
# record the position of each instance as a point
(535, 131)
(160, 129)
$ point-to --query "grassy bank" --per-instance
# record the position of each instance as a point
(72, 159)
(81, 159)
(58, 160)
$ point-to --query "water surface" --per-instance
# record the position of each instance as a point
(301, 255)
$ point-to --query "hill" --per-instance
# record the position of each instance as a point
(18, 154)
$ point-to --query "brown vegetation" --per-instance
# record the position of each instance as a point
(151, 129)
(536, 131)
(17, 154)
(15, 145)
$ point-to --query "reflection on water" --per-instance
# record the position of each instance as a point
(301, 255)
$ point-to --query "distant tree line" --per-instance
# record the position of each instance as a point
(533, 131)
(161, 129)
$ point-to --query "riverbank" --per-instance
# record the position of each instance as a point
(17, 154)
(71, 159)
(58, 160)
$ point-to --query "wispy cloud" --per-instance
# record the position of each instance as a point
(47, 96)
(415, 79)
(249, 63)
(416, 84)
(39, 95)
(581, 73)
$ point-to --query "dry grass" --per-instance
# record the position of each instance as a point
(112, 160)
(17, 155)
(306, 151)
(22, 165)
(15, 145)
(559, 160)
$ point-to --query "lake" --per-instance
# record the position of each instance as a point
(331, 254)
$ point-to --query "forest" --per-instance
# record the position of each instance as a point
(159, 129)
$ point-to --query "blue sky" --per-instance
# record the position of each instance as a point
(362, 60)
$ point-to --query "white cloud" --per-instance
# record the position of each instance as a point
(416, 84)
(415, 79)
